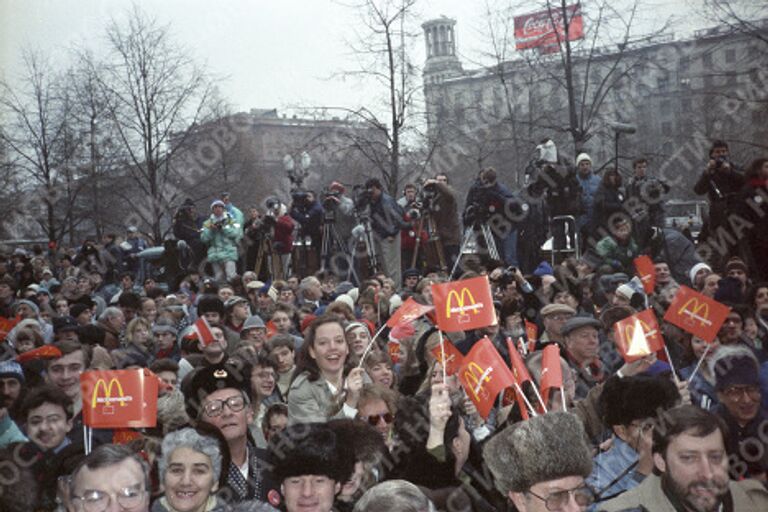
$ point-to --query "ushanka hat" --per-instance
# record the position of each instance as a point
(311, 449)
(544, 448)
(209, 379)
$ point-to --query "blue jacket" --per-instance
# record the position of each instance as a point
(608, 466)
(588, 189)
(387, 217)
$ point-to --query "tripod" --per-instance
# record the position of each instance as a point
(469, 244)
(433, 241)
(333, 247)
(363, 218)
(268, 254)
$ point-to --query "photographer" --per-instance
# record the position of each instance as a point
(386, 221)
(221, 233)
(186, 226)
(444, 205)
(645, 197)
(562, 194)
(491, 203)
(335, 200)
(273, 226)
(722, 183)
(307, 211)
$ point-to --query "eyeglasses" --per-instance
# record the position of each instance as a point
(128, 498)
(374, 419)
(216, 407)
(558, 500)
(643, 426)
(736, 393)
(560, 318)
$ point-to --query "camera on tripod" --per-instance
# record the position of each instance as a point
(331, 198)
(362, 197)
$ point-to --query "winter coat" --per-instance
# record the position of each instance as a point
(607, 201)
(650, 497)
(311, 401)
(221, 242)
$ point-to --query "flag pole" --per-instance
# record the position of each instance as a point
(562, 396)
(522, 344)
(525, 399)
(538, 395)
(442, 353)
(370, 345)
(671, 364)
(698, 365)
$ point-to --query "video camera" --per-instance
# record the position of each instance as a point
(331, 198)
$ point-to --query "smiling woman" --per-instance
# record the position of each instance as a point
(190, 468)
(319, 390)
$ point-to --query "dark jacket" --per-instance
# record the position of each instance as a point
(387, 217)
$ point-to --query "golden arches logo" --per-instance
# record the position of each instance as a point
(476, 376)
(647, 332)
(108, 399)
(464, 302)
(698, 311)
(636, 336)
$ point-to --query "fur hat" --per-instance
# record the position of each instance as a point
(209, 379)
(627, 399)
(546, 447)
(311, 449)
(210, 303)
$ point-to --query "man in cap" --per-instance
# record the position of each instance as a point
(737, 383)
(166, 346)
(237, 312)
(211, 308)
(220, 395)
(221, 233)
(65, 328)
(589, 183)
(11, 385)
(254, 333)
(554, 317)
(689, 453)
(629, 407)
(582, 346)
(311, 463)
(541, 464)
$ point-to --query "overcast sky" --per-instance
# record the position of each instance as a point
(270, 53)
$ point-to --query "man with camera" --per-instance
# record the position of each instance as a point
(387, 219)
(721, 183)
(444, 205)
(221, 233)
(307, 211)
(645, 198)
(273, 227)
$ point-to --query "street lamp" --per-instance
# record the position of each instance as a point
(297, 175)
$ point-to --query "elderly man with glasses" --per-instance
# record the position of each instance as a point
(220, 396)
(112, 477)
(540, 464)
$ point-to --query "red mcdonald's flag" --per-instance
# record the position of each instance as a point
(464, 305)
(119, 398)
(453, 358)
(484, 374)
(696, 314)
(531, 330)
(638, 336)
(408, 312)
(551, 371)
(203, 329)
(646, 271)
(519, 370)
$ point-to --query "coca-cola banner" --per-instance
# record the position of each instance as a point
(546, 28)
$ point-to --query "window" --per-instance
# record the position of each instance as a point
(666, 128)
(730, 55)
(666, 107)
(662, 83)
(684, 64)
(706, 59)
(687, 105)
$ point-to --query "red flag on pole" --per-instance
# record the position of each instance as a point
(646, 271)
(519, 370)
(551, 371)
(638, 336)
(696, 314)
(484, 374)
(464, 305)
(203, 329)
(119, 398)
(453, 357)
(408, 312)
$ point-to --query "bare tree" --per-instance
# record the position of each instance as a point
(382, 50)
(746, 16)
(37, 133)
(154, 91)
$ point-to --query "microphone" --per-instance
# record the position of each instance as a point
(622, 127)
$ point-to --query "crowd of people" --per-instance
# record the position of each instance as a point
(305, 399)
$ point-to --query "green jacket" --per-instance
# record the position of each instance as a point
(222, 242)
(619, 257)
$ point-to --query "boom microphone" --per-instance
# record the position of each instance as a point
(622, 127)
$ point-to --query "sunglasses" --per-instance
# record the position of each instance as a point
(374, 419)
